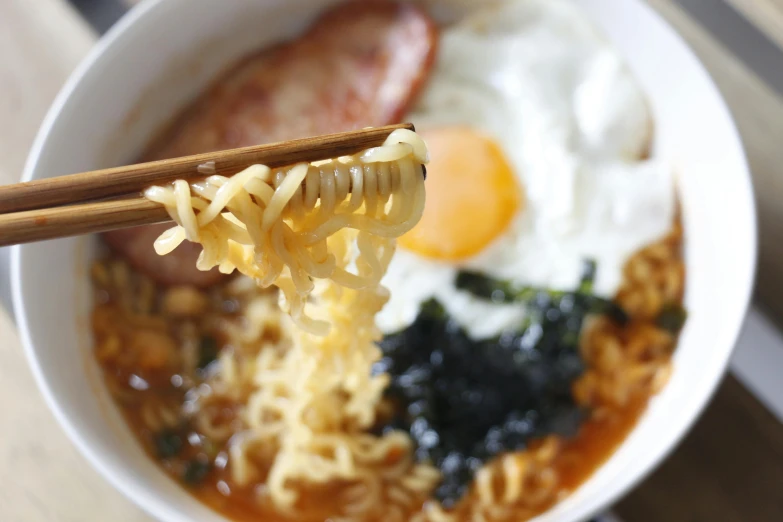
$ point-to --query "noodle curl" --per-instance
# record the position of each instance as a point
(323, 233)
(274, 225)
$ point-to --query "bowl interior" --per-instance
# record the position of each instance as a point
(166, 51)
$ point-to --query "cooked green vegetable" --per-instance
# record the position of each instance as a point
(672, 318)
(207, 351)
(195, 471)
(209, 447)
(168, 443)
(589, 269)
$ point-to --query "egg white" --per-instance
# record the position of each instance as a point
(573, 122)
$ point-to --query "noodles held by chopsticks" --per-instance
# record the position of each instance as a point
(332, 223)
(273, 226)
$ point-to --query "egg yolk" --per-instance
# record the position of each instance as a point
(472, 195)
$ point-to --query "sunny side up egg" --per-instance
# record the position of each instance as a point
(538, 134)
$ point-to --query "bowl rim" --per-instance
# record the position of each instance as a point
(156, 505)
(153, 505)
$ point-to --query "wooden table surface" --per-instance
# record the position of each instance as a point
(44, 479)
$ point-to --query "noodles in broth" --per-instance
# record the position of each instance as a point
(323, 233)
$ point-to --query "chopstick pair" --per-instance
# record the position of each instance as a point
(77, 204)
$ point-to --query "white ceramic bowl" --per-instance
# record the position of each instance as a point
(165, 51)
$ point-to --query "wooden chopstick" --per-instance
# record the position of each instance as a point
(73, 220)
(66, 205)
(99, 184)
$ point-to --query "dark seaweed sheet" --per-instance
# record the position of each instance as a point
(465, 401)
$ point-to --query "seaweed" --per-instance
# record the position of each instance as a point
(208, 351)
(196, 470)
(672, 318)
(168, 443)
(502, 291)
(464, 401)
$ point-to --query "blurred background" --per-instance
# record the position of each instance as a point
(729, 468)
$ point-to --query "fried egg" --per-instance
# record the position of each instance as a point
(537, 132)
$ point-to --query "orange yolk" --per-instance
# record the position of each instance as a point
(472, 195)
